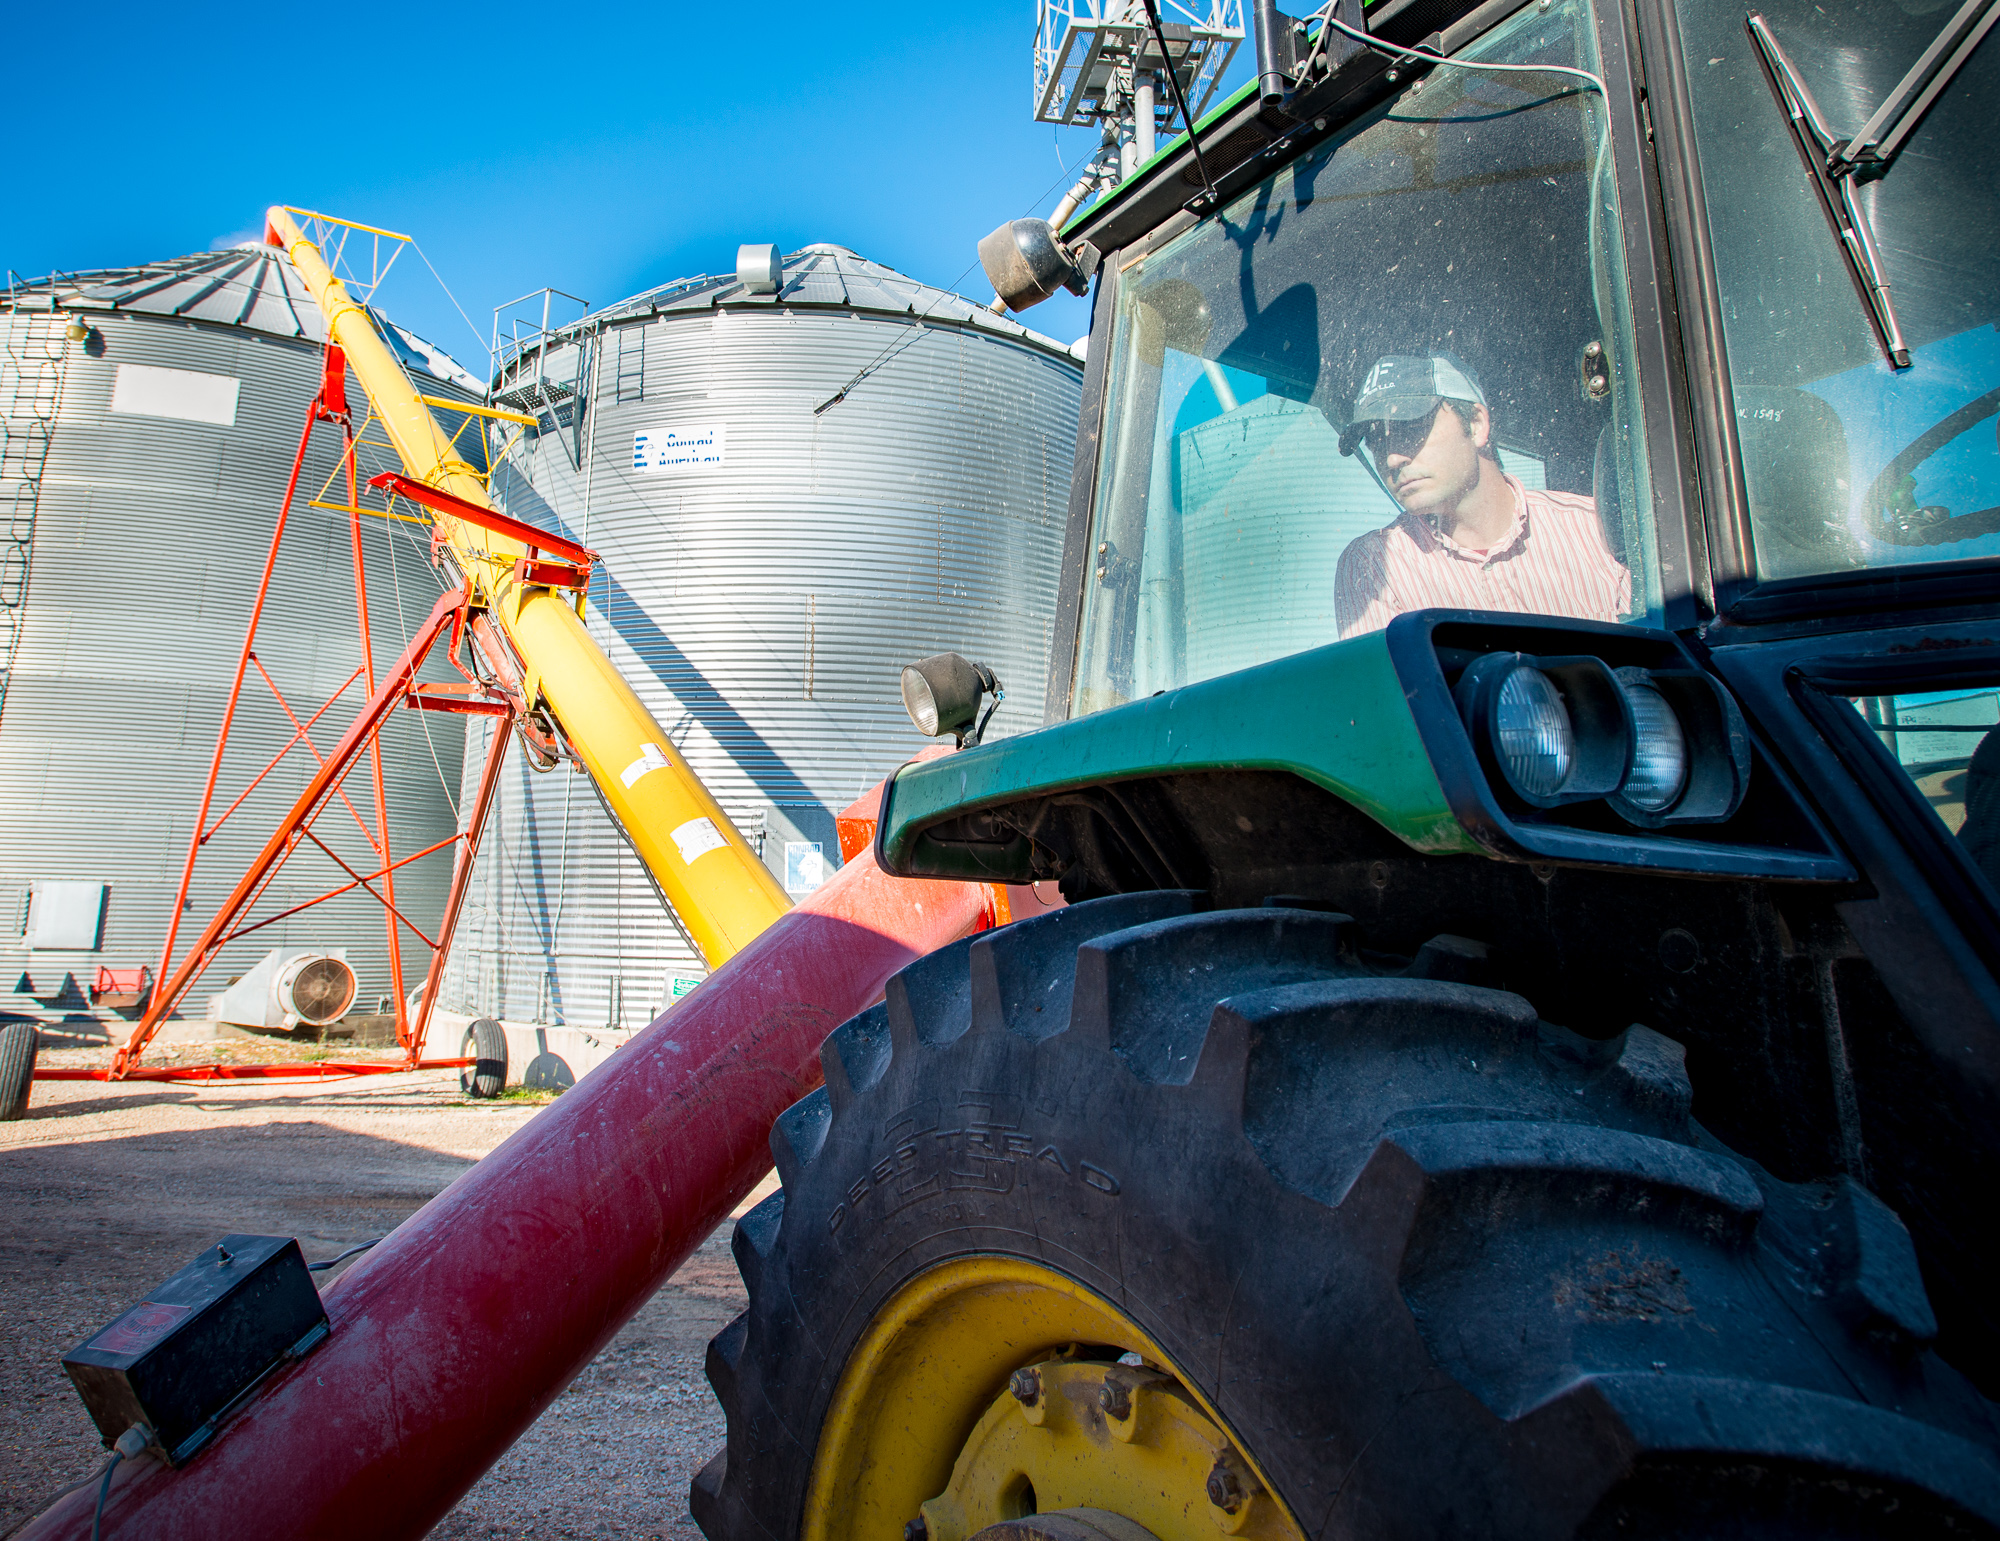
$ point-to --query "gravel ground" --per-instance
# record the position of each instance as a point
(107, 1190)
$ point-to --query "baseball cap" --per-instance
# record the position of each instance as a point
(1402, 387)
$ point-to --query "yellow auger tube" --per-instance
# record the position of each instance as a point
(723, 894)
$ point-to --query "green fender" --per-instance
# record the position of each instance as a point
(1337, 716)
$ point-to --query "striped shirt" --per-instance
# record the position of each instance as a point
(1553, 561)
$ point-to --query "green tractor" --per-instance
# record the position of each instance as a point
(1513, 1047)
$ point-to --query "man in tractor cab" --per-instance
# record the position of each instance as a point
(1470, 537)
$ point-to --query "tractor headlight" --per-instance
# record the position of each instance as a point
(1557, 730)
(1659, 747)
(1532, 733)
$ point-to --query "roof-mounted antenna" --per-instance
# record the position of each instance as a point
(1098, 65)
(1180, 101)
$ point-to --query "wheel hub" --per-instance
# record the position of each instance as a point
(988, 1401)
(1074, 1433)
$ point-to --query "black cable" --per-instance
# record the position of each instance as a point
(134, 1441)
(973, 739)
(1180, 101)
(104, 1489)
(881, 358)
(949, 292)
(334, 1262)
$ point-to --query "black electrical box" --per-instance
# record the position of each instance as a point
(183, 1357)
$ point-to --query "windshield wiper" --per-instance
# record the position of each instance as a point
(1902, 109)
(1836, 164)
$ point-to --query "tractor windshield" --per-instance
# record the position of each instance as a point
(1849, 460)
(1398, 374)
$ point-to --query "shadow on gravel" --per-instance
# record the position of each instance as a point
(369, 1094)
(90, 1226)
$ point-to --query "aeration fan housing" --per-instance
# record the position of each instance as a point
(290, 987)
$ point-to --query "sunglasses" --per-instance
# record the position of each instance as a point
(1399, 438)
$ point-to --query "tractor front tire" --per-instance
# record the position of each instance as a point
(1435, 1267)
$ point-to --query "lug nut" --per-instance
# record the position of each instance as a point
(917, 1530)
(1115, 1399)
(1225, 1489)
(1026, 1386)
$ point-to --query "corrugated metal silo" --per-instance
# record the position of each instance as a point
(143, 466)
(767, 569)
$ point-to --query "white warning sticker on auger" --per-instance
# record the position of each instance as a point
(698, 837)
(651, 758)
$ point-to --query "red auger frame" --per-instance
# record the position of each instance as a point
(397, 688)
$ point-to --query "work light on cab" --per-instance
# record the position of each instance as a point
(942, 695)
(1027, 262)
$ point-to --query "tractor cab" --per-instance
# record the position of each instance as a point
(1461, 244)
(1707, 400)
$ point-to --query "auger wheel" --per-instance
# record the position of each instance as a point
(1137, 1221)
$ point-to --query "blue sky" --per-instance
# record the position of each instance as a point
(598, 147)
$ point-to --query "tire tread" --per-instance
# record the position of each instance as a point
(1482, 1272)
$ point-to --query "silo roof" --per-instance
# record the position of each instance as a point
(823, 276)
(253, 286)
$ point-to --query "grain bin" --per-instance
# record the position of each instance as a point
(151, 415)
(770, 561)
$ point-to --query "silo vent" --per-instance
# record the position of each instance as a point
(760, 269)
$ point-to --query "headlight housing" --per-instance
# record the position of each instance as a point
(1659, 746)
(1713, 750)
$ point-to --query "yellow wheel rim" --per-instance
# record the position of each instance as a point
(923, 1422)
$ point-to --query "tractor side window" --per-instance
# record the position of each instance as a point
(1398, 374)
(1948, 743)
(1851, 457)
